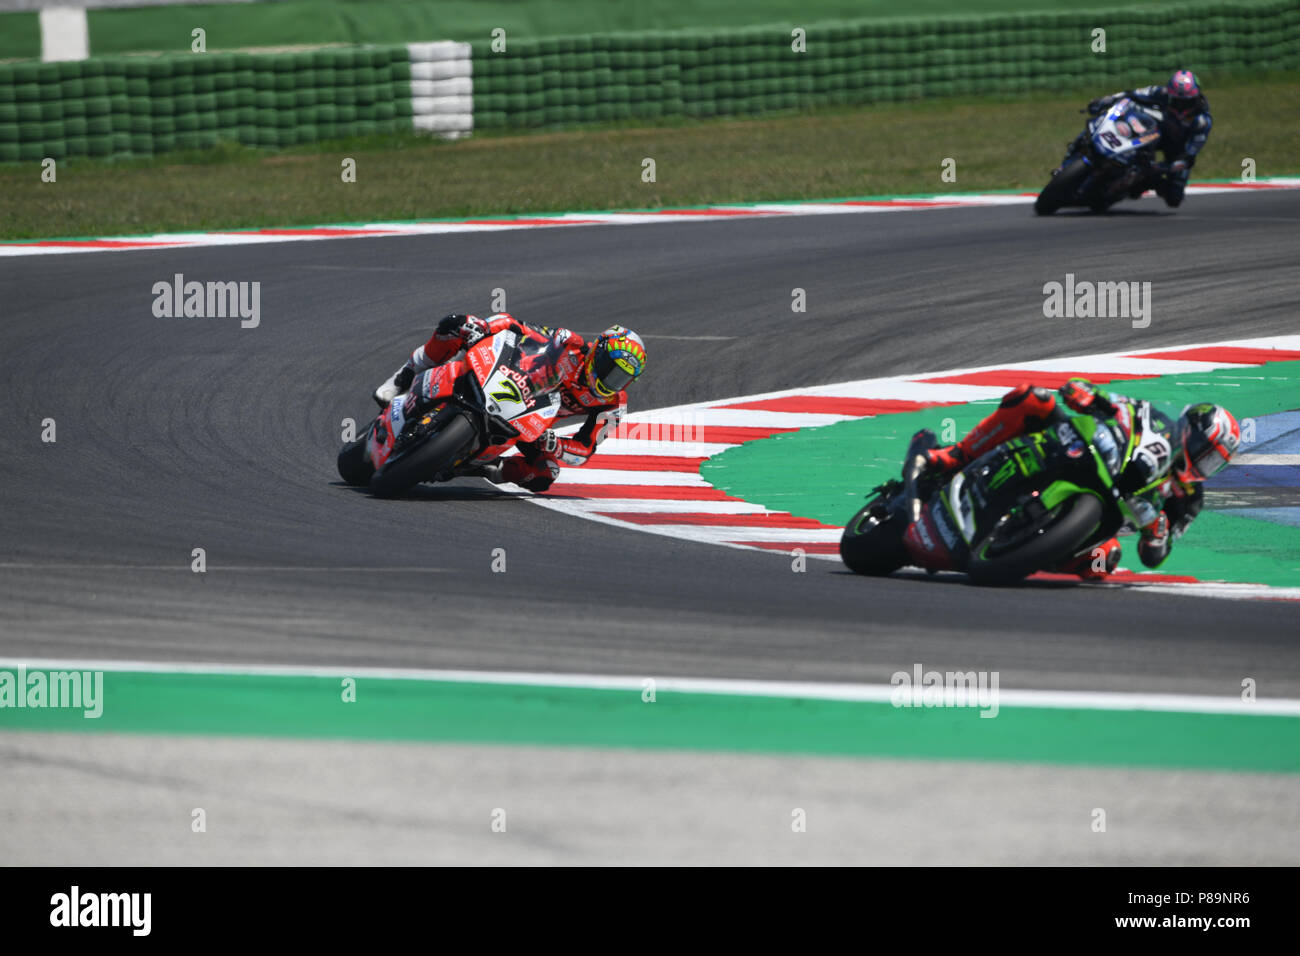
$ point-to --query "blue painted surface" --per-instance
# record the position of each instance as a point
(1255, 476)
(1290, 516)
(1274, 435)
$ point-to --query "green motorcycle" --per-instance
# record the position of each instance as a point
(1034, 503)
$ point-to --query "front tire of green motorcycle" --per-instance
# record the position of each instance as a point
(872, 544)
(1075, 522)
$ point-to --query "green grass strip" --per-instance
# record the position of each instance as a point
(437, 711)
(893, 149)
(842, 462)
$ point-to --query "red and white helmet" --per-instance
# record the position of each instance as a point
(1208, 437)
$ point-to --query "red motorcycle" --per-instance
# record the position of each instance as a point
(457, 417)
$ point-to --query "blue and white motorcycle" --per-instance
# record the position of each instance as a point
(1114, 158)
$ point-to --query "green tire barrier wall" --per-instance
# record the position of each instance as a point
(715, 73)
(288, 23)
(137, 106)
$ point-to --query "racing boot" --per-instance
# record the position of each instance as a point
(1096, 563)
(396, 384)
(535, 475)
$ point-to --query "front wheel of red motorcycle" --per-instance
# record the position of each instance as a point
(440, 452)
(354, 467)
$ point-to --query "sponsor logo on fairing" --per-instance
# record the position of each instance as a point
(923, 533)
(945, 528)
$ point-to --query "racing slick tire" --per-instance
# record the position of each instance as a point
(1068, 527)
(438, 453)
(354, 466)
(1060, 190)
(872, 543)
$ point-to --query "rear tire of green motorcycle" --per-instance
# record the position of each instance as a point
(870, 546)
(1058, 541)
(441, 451)
(1060, 190)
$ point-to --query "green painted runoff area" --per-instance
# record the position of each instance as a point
(447, 711)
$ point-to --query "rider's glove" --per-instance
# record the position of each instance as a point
(549, 443)
(472, 329)
(449, 328)
(404, 377)
(1178, 168)
(1084, 397)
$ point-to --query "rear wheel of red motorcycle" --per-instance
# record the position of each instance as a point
(1061, 189)
(439, 452)
(872, 543)
(1065, 530)
(354, 467)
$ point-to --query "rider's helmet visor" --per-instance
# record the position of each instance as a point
(1210, 437)
(607, 375)
(1204, 457)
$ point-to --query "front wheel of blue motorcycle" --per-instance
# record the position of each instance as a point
(1062, 189)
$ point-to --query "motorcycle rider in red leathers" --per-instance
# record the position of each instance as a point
(1168, 492)
(590, 379)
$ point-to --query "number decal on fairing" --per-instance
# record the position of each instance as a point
(506, 397)
(507, 391)
(1113, 141)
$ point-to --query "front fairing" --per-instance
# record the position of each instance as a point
(1133, 452)
(1125, 131)
(520, 389)
(387, 429)
(1035, 471)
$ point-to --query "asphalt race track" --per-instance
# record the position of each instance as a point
(174, 434)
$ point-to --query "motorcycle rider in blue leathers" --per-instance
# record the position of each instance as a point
(1183, 132)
